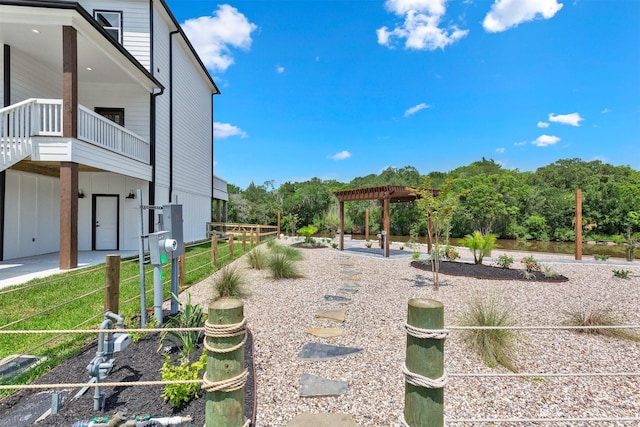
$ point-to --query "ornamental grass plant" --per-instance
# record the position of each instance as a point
(282, 266)
(495, 346)
(229, 282)
(597, 316)
(257, 259)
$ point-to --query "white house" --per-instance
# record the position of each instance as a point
(101, 97)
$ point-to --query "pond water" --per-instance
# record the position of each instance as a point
(588, 248)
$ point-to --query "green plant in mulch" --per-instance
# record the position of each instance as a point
(180, 394)
(368, 244)
(416, 255)
(451, 254)
(504, 261)
(308, 231)
(597, 316)
(189, 316)
(257, 259)
(495, 346)
(549, 272)
(334, 245)
(622, 274)
(530, 263)
(480, 244)
(228, 282)
(599, 257)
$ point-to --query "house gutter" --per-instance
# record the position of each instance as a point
(6, 91)
(171, 34)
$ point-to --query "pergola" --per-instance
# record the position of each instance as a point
(387, 194)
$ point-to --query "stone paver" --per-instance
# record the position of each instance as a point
(325, 332)
(308, 419)
(338, 299)
(317, 352)
(333, 315)
(348, 290)
(313, 386)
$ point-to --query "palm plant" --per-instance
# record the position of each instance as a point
(479, 244)
(495, 346)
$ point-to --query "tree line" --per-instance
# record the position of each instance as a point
(537, 205)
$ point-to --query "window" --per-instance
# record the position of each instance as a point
(116, 115)
(111, 21)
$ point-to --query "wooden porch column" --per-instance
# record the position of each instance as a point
(342, 226)
(387, 226)
(218, 211)
(366, 224)
(69, 170)
(578, 224)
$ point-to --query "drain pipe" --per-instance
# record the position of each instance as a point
(171, 34)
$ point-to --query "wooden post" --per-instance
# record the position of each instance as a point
(214, 250)
(341, 225)
(578, 224)
(230, 244)
(278, 224)
(258, 235)
(366, 224)
(225, 408)
(244, 241)
(251, 237)
(112, 284)
(387, 226)
(424, 406)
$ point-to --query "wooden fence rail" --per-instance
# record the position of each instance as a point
(222, 229)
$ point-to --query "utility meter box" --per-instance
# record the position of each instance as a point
(171, 221)
(161, 247)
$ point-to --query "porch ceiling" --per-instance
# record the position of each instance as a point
(38, 33)
(48, 168)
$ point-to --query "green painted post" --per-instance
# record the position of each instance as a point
(423, 406)
(225, 408)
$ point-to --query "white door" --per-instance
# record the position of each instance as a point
(106, 223)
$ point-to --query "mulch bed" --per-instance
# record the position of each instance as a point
(138, 362)
(481, 271)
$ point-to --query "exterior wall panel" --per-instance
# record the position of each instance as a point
(32, 79)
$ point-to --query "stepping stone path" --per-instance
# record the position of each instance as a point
(316, 352)
(337, 298)
(312, 386)
(348, 290)
(333, 315)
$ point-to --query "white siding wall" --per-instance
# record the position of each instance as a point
(135, 20)
(32, 203)
(161, 72)
(32, 79)
(131, 97)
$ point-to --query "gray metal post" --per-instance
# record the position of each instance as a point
(174, 286)
(143, 295)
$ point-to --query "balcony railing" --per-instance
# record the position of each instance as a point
(43, 117)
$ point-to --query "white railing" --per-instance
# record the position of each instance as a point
(20, 122)
(98, 130)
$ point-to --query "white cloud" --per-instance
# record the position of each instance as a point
(342, 155)
(505, 14)
(420, 28)
(225, 130)
(545, 140)
(500, 150)
(543, 124)
(212, 36)
(279, 69)
(520, 144)
(572, 119)
(605, 111)
(415, 109)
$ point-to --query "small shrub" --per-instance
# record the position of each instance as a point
(495, 346)
(180, 394)
(479, 244)
(416, 255)
(531, 264)
(282, 267)
(451, 254)
(504, 261)
(600, 257)
(291, 253)
(308, 231)
(549, 272)
(597, 316)
(257, 259)
(228, 282)
(529, 275)
(402, 247)
(334, 245)
(368, 244)
(189, 316)
(622, 274)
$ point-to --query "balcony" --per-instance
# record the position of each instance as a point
(22, 122)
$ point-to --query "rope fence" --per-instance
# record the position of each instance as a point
(425, 341)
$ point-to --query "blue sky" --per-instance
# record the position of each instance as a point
(340, 89)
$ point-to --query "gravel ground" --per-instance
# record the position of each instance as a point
(279, 312)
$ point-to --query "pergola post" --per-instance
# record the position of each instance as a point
(366, 224)
(342, 226)
(578, 224)
(387, 226)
